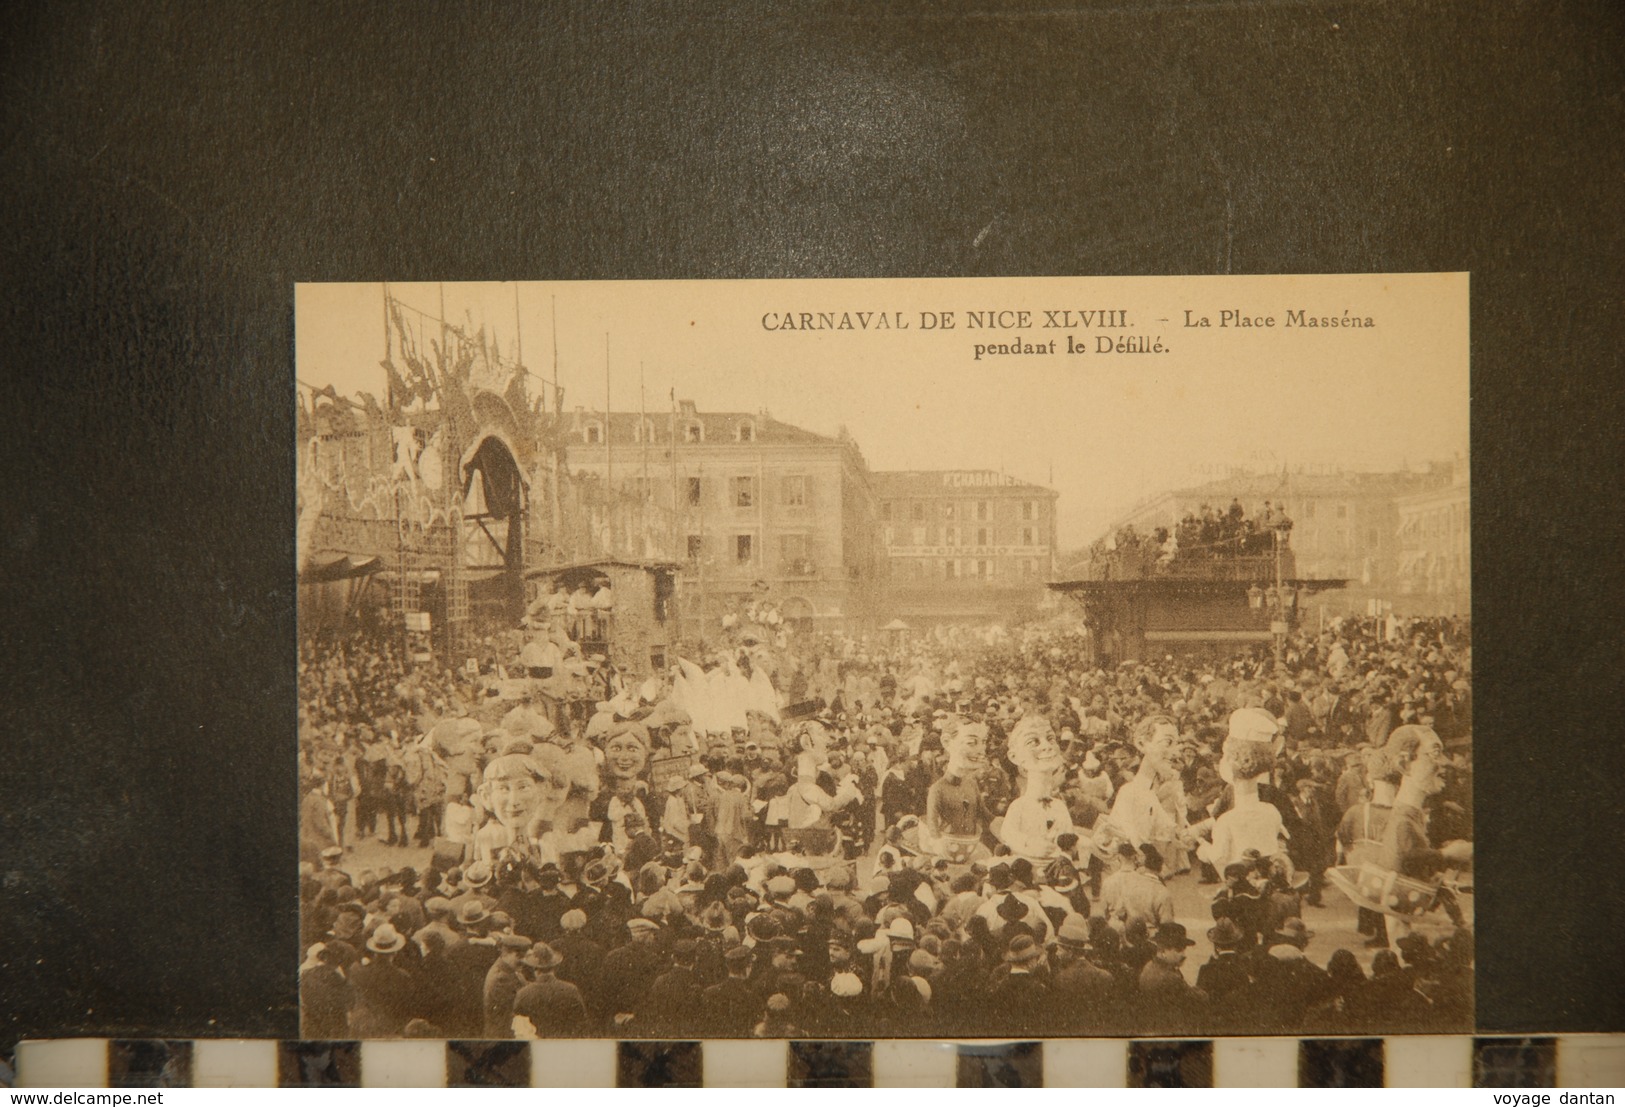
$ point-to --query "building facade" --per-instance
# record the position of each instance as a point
(744, 502)
(964, 545)
(1435, 548)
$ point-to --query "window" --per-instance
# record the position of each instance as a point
(1029, 510)
(984, 569)
(795, 493)
(743, 547)
(645, 431)
(891, 535)
(593, 434)
(793, 547)
(694, 491)
(950, 536)
(693, 432)
(981, 537)
(916, 511)
(746, 431)
(917, 536)
(744, 491)
(948, 510)
(885, 508)
(696, 547)
(981, 511)
(1027, 536)
(950, 569)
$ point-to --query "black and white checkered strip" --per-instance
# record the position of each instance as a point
(1588, 1061)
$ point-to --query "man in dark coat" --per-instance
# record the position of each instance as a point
(325, 995)
(1085, 997)
(672, 1008)
(583, 959)
(502, 984)
(553, 1007)
(629, 970)
(730, 1005)
(1018, 1001)
(1167, 1001)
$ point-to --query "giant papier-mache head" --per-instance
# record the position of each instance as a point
(966, 747)
(626, 752)
(524, 785)
(1250, 746)
(1032, 748)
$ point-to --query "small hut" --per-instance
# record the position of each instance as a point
(637, 632)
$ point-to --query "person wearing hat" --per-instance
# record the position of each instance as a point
(1227, 975)
(583, 958)
(502, 984)
(325, 993)
(548, 1007)
(673, 1005)
(1288, 983)
(629, 970)
(330, 877)
(1087, 996)
(383, 989)
(1018, 1000)
(1167, 1000)
(729, 1005)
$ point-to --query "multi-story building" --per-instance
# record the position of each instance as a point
(964, 545)
(1345, 524)
(1435, 547)
(744, 502)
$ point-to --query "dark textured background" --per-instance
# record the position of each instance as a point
(170, 170)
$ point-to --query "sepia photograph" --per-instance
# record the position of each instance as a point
(897, 658)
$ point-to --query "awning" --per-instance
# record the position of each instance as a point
(320, 570)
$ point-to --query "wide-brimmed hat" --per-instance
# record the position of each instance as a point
(478, 874)
(596, 873)
(1012, 909)
(1226, 935)
(386, 939)
(1073, 932)
(471, 912)
(543, 956)
(1292, 932)
(1172, 936)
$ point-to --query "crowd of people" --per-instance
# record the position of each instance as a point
(973, 833)
(1206, 534)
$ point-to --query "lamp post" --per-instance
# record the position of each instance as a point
(1276, 600)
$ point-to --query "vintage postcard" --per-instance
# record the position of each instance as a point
(948, 658)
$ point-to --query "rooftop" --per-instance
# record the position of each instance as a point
(716, 427)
